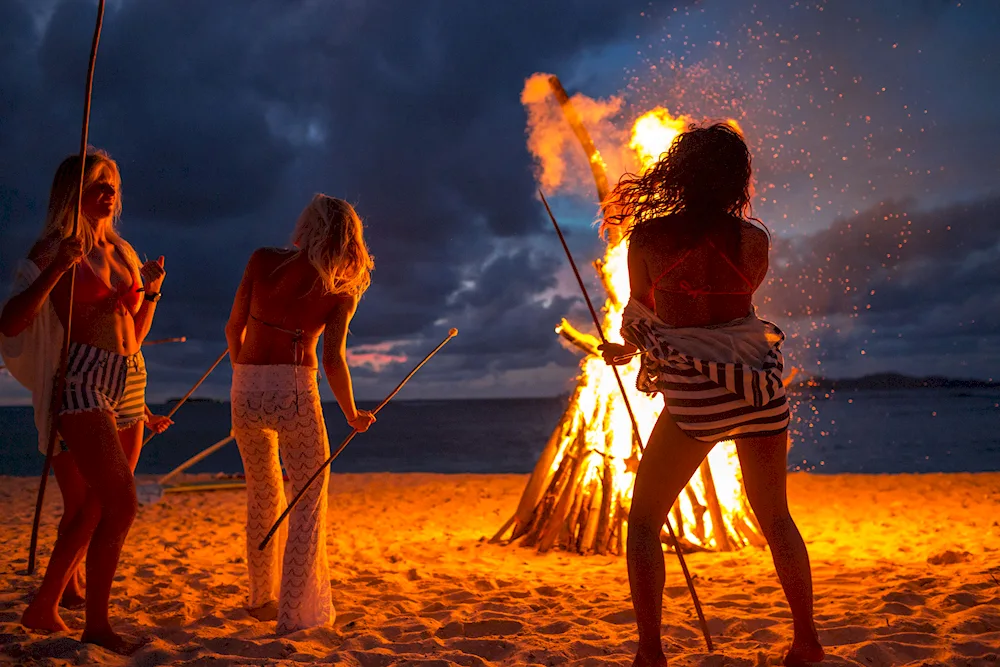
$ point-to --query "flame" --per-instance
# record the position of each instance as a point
(607, 428)
(654, 131)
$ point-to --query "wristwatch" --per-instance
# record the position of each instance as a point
(152, 297)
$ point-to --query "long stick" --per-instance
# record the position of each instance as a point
(160, 341)
(267, 538)
(60, 383)
(194, 459)
(190, 391)
(635, 426)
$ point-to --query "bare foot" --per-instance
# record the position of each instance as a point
(72, 599)
(112, 641)
(804, 653)
(644, 660)
(266, 612)
(43, 620)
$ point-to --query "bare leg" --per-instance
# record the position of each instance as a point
(131, 439)
(74, 493)
(764, 464)
(108, 513)
(670, 459)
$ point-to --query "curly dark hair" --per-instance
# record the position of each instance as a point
(705, 173)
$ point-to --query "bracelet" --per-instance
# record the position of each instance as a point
(152, 297)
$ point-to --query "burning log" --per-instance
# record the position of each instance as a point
(579, 494)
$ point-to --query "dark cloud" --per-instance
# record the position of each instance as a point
(917, 290)
(225, 117)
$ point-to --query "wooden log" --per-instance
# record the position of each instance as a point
(593, 516)
(589, 149)
(698, 529)
(541, 474)
(562, 507)
(568, 535)
(678, 519)
(722, 542)
(583, 341)
(604, 523)
(544, 509)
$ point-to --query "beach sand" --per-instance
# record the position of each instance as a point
(906, 568)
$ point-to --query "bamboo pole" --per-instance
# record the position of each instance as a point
(59, 386)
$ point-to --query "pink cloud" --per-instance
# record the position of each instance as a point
(376, 356)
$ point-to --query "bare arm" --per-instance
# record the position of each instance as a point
(335, 356)
(54, 261)
(152, 274)
(236, 327)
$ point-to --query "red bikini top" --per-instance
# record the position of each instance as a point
(684, 287)
(90, 288)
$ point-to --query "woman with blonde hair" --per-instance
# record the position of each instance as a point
(102, 409)
(695, 259)
(285, 302)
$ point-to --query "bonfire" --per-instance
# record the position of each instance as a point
(579, 494)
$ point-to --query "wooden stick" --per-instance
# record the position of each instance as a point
(160, 341)
(60, 384)
(267, 538)
(186, 396)
(194, 459)
(722, 542)
(635, 425)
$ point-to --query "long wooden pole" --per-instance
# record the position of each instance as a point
(60, 383)
(635, 426)
(267, 538)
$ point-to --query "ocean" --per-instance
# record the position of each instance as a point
(893, 431)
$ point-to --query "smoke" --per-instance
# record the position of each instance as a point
(560, 165)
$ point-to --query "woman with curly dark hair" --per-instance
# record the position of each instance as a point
(695, 260)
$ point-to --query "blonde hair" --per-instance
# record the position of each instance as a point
(63, 199)
(330, 233)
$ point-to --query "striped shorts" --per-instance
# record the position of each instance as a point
(97, 379)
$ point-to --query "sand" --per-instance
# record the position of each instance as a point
(906, 568)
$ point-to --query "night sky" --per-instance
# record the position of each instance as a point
(872, 126)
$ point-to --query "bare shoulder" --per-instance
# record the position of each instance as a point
(265, 259)
(755, 237)
(342, 305)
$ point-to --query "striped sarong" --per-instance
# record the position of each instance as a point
(721, 382)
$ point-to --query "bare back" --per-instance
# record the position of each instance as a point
(286, 309)
(697, 285)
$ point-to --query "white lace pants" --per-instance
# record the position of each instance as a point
(277, 408)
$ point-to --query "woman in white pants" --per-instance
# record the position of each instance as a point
(285, 302)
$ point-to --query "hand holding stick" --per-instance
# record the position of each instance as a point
(267, 538)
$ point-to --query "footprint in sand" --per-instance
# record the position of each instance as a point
(557, 628)
(473, 629)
